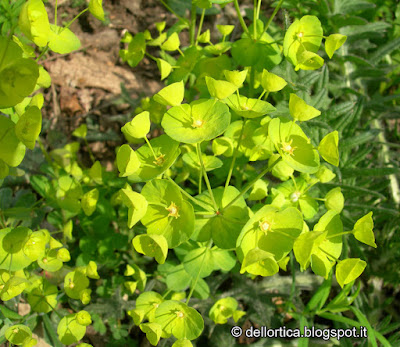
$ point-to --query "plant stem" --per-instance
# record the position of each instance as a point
(197, 202)
(198, 274)
(250, 184)
(76, 17)
(200, 173)
(258, 8)
(173, 12)
(200, 25)
(293, 287)
(55, 13)
(339, 234)
(255, 20)
(273, 15)
(192, 28)
(206, 177)
(92, 158)
(151, 148)
(235, 153)
(241, 20)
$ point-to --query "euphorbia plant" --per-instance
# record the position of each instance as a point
(231, 185)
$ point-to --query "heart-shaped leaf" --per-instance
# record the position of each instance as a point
(171, 95)
(152, 245)
(363, 232)
(249, 108)
(349, 269)
(329, 148)
(333, 43)
(300, 110)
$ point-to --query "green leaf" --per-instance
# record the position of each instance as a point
(12, 241)
(225, 30)
(12, 151)
(334, 200)
(309, 61)
(18, 334)
(303, 34)
(81, 131)
(9, 313)
(127, 161)
(223, 228)
(34, 22)
(300, 110)
(223, 309)
(166, 152)
(235, 77)
(17, 80)
(320, 296)
(171, 95)
(13, 287)
(202, 120)
(167, 214)
(220, 89)
(259, 262)
(333, 43)
(271, 82)
(164, 67)
(249, 108)
(293, 145)
(69, 330)
(172, 43)
(62, 40)
(147, 303)
(96, 9)
(89, 201)
(180, 320)
(271, 231)
(223, 146)
(259, 190)
(137, 205)
(138, 127)
(349, 269)
(182, 343)
(210, 162)
(152, 245)
(29, 126)
(328, 148)
(306, 245)
(153, 332)
(363, 232)
(42, 296)
(74, 283)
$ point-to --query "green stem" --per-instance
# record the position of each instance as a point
(173, 12)
(180, 52)
(328, 254)
(200, 25)
(255, 20)
(76, 17)
(235, 153)
(55, 13)
(206, 177)
(198, 274)
(258, 8)
(241, 20)
(200, 173)
(44, 51)
(192, 28)
(150, 146)
(250, 184)
(197, 202)
(92, 158)
(293, 287)
(252, 77)
(273, 15)
(151, 56)
(339, 234)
